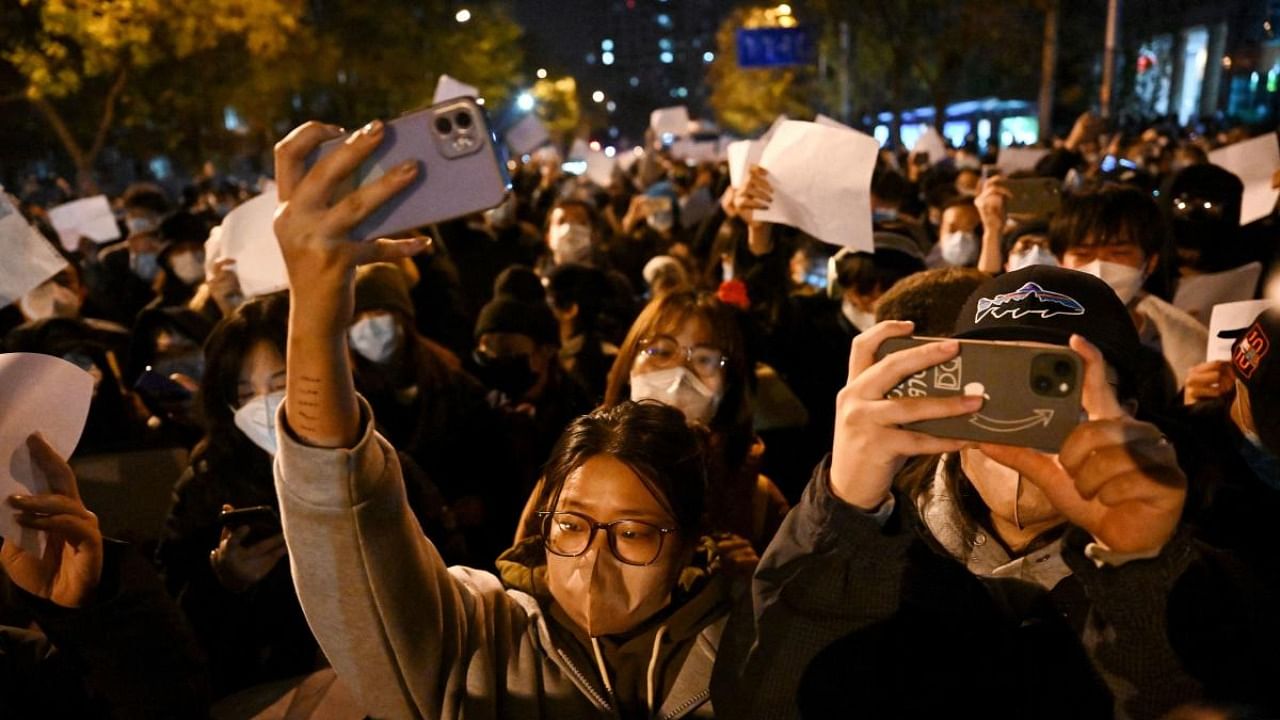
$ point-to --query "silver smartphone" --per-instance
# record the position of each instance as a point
(462, 168)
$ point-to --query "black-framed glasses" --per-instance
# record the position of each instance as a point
(634, 542)
(662, 351)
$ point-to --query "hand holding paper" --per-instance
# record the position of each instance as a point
(1253, 161)
(68, 571)
(247, 237)
(44, 394)
(821, 179)
(29, 259)
(88, 217)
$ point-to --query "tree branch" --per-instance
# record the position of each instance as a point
(108, 112)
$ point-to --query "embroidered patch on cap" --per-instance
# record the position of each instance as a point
(1250, 350)
(1030, 299)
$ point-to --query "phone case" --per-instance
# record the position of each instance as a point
(460, 171)
(155, 386)
(1034, 196)
(262, 520)
(1032, 399)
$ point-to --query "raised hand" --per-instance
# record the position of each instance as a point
(1207, 381)
(757, 194)
(70, 569)
(870, 444)
(1116, 477)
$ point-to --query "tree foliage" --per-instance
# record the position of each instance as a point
(746, 100)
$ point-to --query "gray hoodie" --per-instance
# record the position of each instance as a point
(412, 638)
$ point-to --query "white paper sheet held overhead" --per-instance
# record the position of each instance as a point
(451, 88)
(1254, 162)
(830, 122)
(742, 155)
(1019, 159)
(1232, 316)
(821, 178)
(931, 142)
(28, 258)
(527, 135)
(670, 121)
(1197, 295)
(90, 217)
(599, 168)
(38, 393)
(247, 236)
(697, 151)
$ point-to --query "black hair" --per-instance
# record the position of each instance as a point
(890, 186)
(867, 272)
(263, 319)
(1112, 215)
(146, 196)
(650, 438)
(586, 287)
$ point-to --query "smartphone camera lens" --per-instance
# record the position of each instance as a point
(462, 120)
(444, 126)
(1062, 368)
(1042, 384)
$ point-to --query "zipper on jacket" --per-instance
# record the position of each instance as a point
(583, 680)
(695, 700)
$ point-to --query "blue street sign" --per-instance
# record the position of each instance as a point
(774, 47)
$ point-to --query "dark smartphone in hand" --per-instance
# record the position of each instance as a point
(1031, 391)
(158, 389)
(461, 168)
(1038, 197)
(262, 520)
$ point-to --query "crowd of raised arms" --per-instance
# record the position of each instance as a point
(626, 450)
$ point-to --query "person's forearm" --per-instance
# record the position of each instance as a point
(760, 238)
(991, 261)
(320, 398)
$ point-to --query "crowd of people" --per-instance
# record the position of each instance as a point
(630, 451)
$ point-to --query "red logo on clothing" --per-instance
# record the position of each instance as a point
(1250, 350)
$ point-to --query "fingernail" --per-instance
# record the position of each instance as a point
(372, 128)
(949, 346)
(16, 500)
(408, 167)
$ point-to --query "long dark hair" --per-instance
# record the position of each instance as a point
(264, 319)
(653, 440)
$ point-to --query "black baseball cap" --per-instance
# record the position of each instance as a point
(1254, 361)
(1050, 304)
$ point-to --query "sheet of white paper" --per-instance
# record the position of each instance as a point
(90, 217)
(29, 259)
(931, 142)
(742, 155)
(821, 179)
(599, 168)
(247, 236)
(1253, 161)
(830, 122)
(696, 150)
(449, 88)
(213, 250)
(39, 393)
(1019, 159)
(527, 135)
(670, 121)
(1198, 294)
(1232, 316)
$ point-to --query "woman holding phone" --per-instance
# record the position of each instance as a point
(599, 621)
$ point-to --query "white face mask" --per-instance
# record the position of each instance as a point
(661, 221)
(188, 266)
(858, 317)
(48, 301)
(570, 243)
(726, 270)
(257, 420)
(679, 388)
(959, 248)
(1126, 281)
(375, 338)
(1035, 256)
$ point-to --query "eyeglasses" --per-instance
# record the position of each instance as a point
(634, 542)
(662, 351)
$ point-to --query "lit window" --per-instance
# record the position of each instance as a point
(664, 20)
(667, 57)
(606, 44)
(606, 58)
(665, 44)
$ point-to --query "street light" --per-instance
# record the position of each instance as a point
(784, 9)
(524, 101)
(542, 73)
(462, 15)
(598, 96)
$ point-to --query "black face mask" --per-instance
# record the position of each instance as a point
(509, 375)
